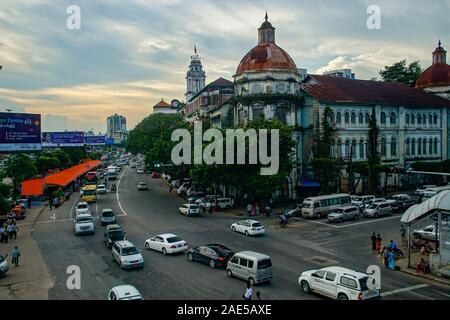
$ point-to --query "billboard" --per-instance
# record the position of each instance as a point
(109, 141)
(63, 139)
(20, 131)
(95, 140)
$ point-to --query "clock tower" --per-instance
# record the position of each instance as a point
(195, 77)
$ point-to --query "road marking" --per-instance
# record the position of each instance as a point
(44, 221)
(419, 286)
(444, 294)
(73, 205)
(117, 191)
(291, 225)
(351, 224)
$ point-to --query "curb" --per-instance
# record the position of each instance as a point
(435, 279)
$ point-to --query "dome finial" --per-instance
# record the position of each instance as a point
(195, 49)
(439, 43)
(266, 17)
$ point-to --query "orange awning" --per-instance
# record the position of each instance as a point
(67, 176)
(33, 187)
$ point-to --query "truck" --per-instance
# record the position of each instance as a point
(112, 173)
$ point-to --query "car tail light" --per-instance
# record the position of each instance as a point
(173, 246)
(221, 259)
(360, 296)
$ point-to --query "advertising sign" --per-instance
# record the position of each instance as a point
(20, 131)
(109, 141)
(63, 139)
(95, 140)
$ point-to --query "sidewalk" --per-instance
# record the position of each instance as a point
(31, 279)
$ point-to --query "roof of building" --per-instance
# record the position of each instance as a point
(162, 104)
(216, 84)
(33, 187)
(350, 91)
(437, 75)
(265, 57)
(441, 201)
(63, 178)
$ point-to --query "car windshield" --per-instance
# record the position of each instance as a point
(307, 204)
(256, 225)
(116, 235)
(129, 251)
(338, 211)
(372, 206)
(2, 259)
(263, 264)
(84, 220)
(363, 283)
(194, 207)
(107, 214)
(82, 206)
(88, 192)
(101, 186)
(174, 239)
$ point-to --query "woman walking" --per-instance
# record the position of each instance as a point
(378, 243)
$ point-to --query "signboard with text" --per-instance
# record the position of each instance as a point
(95, 140)
(20, 131)
(63, 139)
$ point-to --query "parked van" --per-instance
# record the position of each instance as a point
(361, 200)
(250, 266)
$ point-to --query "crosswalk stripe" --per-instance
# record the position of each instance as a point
(419, 286)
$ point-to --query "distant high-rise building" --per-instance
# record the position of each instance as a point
(116, 125)
(341, 73)
(195, 77)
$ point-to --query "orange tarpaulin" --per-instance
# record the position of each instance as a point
(33, 187)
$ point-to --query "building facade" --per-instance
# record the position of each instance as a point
(164, 107)
(116, 127)
(341, 73)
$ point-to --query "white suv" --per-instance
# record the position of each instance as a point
(127, 255)
(84, 224)
(82, 207)
(338, 283)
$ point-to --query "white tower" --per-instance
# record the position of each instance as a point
(195, 77)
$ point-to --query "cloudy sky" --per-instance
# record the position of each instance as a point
(129, 54)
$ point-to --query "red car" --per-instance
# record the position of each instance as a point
(155, 175)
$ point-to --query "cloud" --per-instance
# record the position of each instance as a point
(53, 122)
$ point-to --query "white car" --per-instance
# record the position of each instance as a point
(84, 224)
(124, 292)
(127, 255)
(248, 227)
(140, 171)
(420, 190)
(101, 189)
(189, 209)
(82, 207)
(338, 283)
(166, 243)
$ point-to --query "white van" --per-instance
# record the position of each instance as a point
(250, 266)
(222, 203)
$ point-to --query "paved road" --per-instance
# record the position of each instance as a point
(305, 245)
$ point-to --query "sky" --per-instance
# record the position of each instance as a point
(128, 54)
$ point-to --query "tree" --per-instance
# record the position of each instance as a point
(400, 72)
(5, 190)
(18, 168)
(4, 205)
(76, 154)
(44, 164)
(64, 159)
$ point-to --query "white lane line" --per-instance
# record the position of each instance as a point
(322, 223)
(117, 191)
(73, 206)
(444, 294)
(370, 221)
(419, 286)
(44, 221)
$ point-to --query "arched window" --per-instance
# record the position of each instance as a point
(393, 119)
(430, 146)
(413, 146)
(354, 149)
(424, 120)
(383, 118)
(407, 119)
(347, 148)
(424, 146)
(419, 146)
(383, 147)
(361, 149)
(339, 149)
(346, 118)
(435, 119)
(419, 120)
(367, 118)
(413, 119)
(408, 147)
(361, 118)
(353, 118)
(338, 117)
(435, 146)
(430, 120)
(393, 147)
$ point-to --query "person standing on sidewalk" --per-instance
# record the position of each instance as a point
(248, 292)
(5, 235)
(15, 230)
(403, 234)
(2, 230)
(374, 241)
(15, 256)
(249, 209)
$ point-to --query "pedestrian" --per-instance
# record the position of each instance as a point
(391, 259)
(258, 295)
(249, 209)
(50, 203)
(5, 235)
(403, 234)
(374, 241)
(257, 210)
(15, 256)
(10, 229)
(170, 189)
(29, 203)
(15, 230)
(248, 292)
(378, 243)
(386, 258)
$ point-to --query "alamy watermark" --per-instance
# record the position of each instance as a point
(73, 282)
(374, 20)
(214, 153)
(73, 21)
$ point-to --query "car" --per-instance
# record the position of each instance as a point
(360, 201)
(294, 211)
(133, 166)
(101, 189)
(84, 224)
(127, 255)
(374, 210)
(23, 203)
(338, 283)
(183, 189)
(420, 190)
(108, 217)
(4, 267)
(401, 202)
(166, 243)
(250, 266)
(189, 209)
(195, 191)
(124, 292)
(142, 186)
(248, 227)
(140, 171)
(222, 203)
(427, 233)
(175, 183)
(215, 255)
(113, 233)
(82, 207)
(155, 175)
(344, 213)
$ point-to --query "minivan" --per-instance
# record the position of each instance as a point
(250, 266)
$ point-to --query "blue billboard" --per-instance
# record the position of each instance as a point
(20, 131)
(95, 140)
(63, 139)
(109, 141)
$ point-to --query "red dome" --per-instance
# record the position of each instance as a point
(435, 76)
(266, 56)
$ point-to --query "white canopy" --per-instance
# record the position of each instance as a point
(440, 201)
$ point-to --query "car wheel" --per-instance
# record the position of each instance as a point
(342, 297)
(305, 287)
(212, 263)
(164, 251)
(233, 229)
(251, 281)
(356, 216)
(246, 233)
(190, 257)
(147, 246)
(376, 215)
(229, 273)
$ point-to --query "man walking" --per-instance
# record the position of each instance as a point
(374, 241)
(378, 243)
(15, 230)
(248, 292)
(15, 256)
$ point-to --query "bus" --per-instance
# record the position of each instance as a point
(89, 193)
(317, 207)
(431, 192)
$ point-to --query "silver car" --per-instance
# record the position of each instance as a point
(344, 213)
(375, 210)
(427, 233)
(108, 217)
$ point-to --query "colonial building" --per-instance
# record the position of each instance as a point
(195, 77)
(164, 107)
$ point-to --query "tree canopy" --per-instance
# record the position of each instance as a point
(401, 72)
(18, 168)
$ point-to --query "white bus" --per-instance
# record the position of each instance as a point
(431, 192)
(317, 207)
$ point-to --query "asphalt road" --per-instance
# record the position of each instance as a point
(143, 214)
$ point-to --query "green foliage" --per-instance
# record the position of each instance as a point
(64, 159)
(44, 163)
(76, 154)
(400, 72)
(325, 170)
(18, 168)
(58, 193)
(437, 166)
(4, 205)
(326, 136)
(5, 190)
